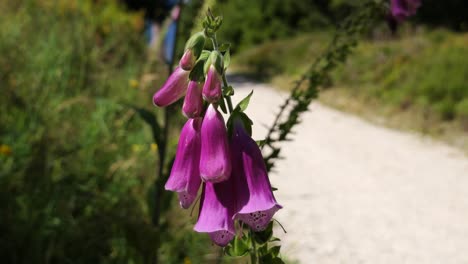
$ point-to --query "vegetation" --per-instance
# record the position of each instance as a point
(424, 70)
(76, 163)
(421, 72)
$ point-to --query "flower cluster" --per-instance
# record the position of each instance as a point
(228, 166)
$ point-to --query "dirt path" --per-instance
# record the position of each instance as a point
(354, 192)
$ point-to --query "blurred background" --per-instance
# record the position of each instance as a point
(77, 161)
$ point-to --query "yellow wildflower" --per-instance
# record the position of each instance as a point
(136, 148)
(133, 83)
(154, 147)
(5, 150)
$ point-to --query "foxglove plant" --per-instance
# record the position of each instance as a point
(231, 196)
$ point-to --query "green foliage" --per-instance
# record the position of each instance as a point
(76, 184)
(254, 22)
(281, 57)
(426, 71)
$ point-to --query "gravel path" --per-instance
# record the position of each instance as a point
(354, 192)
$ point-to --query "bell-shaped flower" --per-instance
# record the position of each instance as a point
(256, 203)
(217, 208)
(215, 160)
(212, 89)
(185, 174)
(193, 102)
(402, 9)
(173, 89)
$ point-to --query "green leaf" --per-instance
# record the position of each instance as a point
(263, 250)
(242, 105)
(275, 239)
(150, 119)
(204, 55)
(207, 64)
(222, 104)
(238, 247)
(265, 235)
(227, 59)
(197, 74)
(224, 47)
(260, 143)
(277, 261)
(228, 91)
(275, 250)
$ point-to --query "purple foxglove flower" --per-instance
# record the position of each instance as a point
(215, 160)
(185, 174)
(193, 102)
(402, 9)
(188, 60)
(173, 89)
(216, 212)
(256, 203)
(212, 87)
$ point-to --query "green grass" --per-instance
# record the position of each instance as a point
(419, 76)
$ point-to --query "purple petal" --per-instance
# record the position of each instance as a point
(216, 212)
(187, 61)
(185, 174)
(402, 9)
(256, 203)
(193, 102)
(215, 162)
(173, 89)
(212, 88)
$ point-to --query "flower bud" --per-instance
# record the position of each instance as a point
(188, 60)
(212, 88)
(173, 89)
(216, 60)
(193, 49)
(215, 161)
(193, 102)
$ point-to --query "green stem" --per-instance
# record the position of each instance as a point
(228, 98)
(253, 254)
